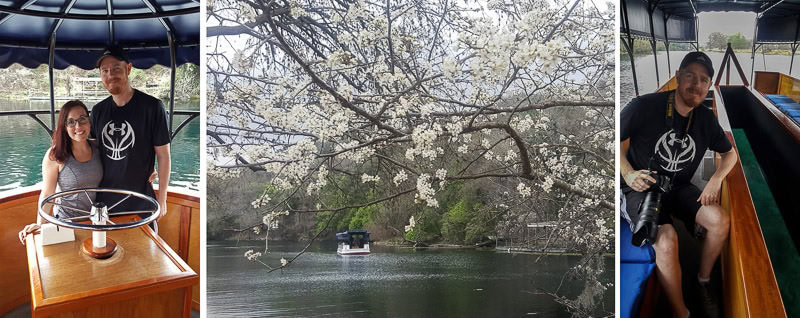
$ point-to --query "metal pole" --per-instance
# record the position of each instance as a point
(629, 45)
(50, 65)
(794, 44)
(172, 79)
(666, 43)
(651, 10)
(696, 33)
(753, 53)
(727, 67)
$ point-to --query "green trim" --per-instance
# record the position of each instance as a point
(782, 252)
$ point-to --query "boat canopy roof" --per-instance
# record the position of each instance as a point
(345, 236)
(687, 9)
(675, 20)
(79, 30)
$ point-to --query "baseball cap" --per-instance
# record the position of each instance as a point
(699, 58)
(115, 51)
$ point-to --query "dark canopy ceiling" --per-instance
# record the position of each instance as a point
(82, 28)
(686, 8)
(674, 19)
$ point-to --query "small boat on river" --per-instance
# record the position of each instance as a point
(353, 242)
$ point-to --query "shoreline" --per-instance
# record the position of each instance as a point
(46, 98)
(442, 246)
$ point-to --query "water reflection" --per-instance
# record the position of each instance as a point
(23, 143)
(390, 282)
(646, 73)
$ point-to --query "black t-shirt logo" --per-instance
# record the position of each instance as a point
(118, 139)
(675, 154)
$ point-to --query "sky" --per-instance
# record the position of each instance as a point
(726, 23)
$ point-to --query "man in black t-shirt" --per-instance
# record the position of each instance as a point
(132, 131)
(668, 133)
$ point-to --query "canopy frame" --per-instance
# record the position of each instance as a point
(64, 14)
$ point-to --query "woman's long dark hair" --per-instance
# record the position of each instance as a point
(62, 144)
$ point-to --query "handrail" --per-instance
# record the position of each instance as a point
(103, 17)
(749, 282)
(747, 269)
(32, 113)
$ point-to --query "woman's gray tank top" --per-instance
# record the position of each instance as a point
(76, 175)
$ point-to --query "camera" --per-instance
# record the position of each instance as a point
(646, 227)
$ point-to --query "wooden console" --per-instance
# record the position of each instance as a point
(144, 278)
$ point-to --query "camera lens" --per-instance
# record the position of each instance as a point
(647, 226)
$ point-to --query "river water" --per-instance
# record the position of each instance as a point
(23, 144)
(390, 282)
(646, 72)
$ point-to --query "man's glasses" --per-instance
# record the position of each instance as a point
(80, 121)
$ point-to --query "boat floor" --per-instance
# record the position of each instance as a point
(24, 311)
(689, 253)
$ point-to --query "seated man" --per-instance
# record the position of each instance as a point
(666, 134)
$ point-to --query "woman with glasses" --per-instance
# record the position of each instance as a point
(73, 162)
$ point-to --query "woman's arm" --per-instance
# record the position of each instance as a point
(50, 169)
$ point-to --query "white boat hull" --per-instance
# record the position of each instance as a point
(345, 250)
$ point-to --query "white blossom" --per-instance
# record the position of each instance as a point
(411, 224)
(252, 256)
(425, 192)
(368, 178)
(400, 177)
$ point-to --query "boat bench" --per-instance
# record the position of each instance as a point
(786, 105)
(783, 253)
(636, 266)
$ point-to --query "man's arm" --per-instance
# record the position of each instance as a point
(710, 193)
(634, 178)
(163, 158)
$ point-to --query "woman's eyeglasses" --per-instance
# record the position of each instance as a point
(80, 121)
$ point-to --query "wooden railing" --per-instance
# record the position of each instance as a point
(671, 84)
(748, 280)
(778, 83)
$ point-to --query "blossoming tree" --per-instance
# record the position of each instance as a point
(408, 97)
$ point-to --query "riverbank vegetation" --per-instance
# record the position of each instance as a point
(717, 42)
(21, 83)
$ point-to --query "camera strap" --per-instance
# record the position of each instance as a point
(670, 118)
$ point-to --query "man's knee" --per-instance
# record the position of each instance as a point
(715, 219)
(667, 242)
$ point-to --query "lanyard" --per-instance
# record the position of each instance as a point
(671, 119)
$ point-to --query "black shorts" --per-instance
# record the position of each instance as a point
(681, 202)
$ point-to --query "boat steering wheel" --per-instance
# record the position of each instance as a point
(98, 209)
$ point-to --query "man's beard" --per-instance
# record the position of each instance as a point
(114, 89)
(690, 102)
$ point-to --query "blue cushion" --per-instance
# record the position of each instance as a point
(786, 107)
(630, 253)
(633, 280)
(791, 113)
(636, 266)
(779, 98)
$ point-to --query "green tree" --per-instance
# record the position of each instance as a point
(717, 40)
(738, 41)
